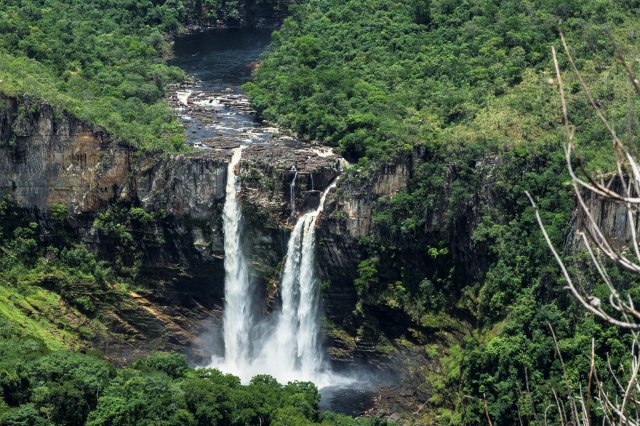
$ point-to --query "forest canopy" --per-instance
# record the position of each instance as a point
(464, 92)
(461, 91)
(104, 61)
(65, 388)
(376, 77)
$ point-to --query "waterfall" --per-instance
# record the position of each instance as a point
(292, 351)
(312, 184)
(292, 190)
(287, 346)
(237, 293)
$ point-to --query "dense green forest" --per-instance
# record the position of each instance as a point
(66, 388)
(462, 87)
(105, 60)
(468, 88)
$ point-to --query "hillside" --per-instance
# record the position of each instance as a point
(463, 89)
(431, 269)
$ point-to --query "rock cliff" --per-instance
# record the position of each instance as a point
(48, 158)
(610, 216)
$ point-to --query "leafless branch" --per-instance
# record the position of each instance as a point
(616, 395)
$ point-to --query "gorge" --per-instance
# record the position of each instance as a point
(203, 221)
(287, 344)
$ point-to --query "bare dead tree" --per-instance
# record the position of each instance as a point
(620, 406)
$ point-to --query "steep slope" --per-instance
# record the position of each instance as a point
(452, 108)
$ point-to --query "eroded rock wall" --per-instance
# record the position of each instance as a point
(49, 157)
(611, 218)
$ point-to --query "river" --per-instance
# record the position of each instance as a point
(213, 106)
(221, 58)
(216, 113)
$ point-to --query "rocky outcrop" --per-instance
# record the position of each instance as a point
(611, 218)
(49, 157)
(185, 185)
(286, 178)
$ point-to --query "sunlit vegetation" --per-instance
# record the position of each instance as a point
(38, 387)
(466, 88)
(463, 87)
(104, 61)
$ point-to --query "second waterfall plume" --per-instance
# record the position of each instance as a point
(289, 347)
(292, 350)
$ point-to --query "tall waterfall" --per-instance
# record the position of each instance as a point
(237, 319)
(289, 348)
(292, 351)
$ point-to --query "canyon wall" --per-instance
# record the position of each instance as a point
(48, 158)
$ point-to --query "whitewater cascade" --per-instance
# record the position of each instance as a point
(292, 351)
(292, 190)
(238, 319)
(287, 345)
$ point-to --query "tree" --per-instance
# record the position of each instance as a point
(616, 391)
(66, 385)
(139, 398)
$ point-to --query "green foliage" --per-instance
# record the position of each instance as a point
(134, 397)
(70, 389)
(374, 76)
(26, 414)
(123, 232)
(101, 61)
(460, 92)
(171, 364)
(66, 386)
(367, 275)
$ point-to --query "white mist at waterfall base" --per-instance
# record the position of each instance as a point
(288, 347)
(292, 350)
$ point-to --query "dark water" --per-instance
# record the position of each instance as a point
(221, 58)
(354, 400)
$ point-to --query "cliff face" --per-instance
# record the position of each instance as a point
(48, 157)
(610, 216)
